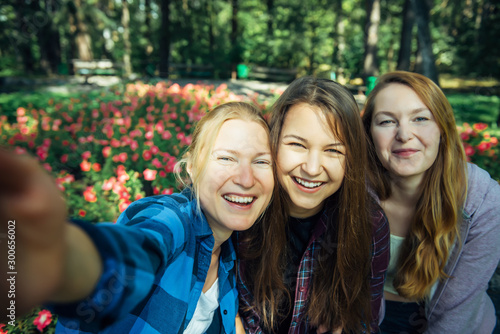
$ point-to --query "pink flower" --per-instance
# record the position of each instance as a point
(157, 163)
(123, 206)
(85, 166)
(47, 167)
(106, 151)
(108, 184)
(154, 149)
(21, 111)
(149, 135)
(480, 126)
(122, 157)
(149, 174)
(469, 150)
(147, 155)
(96, 167)
(86, 155)
(166, 135)
(168, 191)
(43, 320)
(89, 195)
(64, 158)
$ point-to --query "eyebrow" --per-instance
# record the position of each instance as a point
(237, 153)
(306, 141)
(414, 111)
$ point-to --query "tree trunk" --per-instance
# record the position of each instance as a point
(126, 39)
(80, 31)
(406, 37)
(339, 42)
(235, 52)
(164, 37)
(429, 68)
(370, 67)
(22, 42)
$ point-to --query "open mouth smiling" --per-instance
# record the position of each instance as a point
(240, 200)
(307, 184)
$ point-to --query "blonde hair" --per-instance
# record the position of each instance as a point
(195, 160)
(443, 189)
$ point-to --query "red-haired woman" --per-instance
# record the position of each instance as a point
(443, 212)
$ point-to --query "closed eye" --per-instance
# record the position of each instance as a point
(332, 150)
(296, 144)
(386, 122)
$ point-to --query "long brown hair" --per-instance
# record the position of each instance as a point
(340, 294)
(438, 211)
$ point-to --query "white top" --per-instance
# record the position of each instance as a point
(392, 269)
(204, 312)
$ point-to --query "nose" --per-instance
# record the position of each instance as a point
(404, 133)
(312, 166)
(244, 176)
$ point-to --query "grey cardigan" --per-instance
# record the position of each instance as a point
(460, 303)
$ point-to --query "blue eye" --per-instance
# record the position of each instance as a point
(263, 162)
(386, 122)
(421, 119)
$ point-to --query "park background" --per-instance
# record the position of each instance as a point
(105, 92)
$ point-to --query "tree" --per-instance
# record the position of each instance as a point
(126, 38)
(339, 40)
(429, 68)
(406, 37)
(370, 67)
(78, 27)
(164, 37)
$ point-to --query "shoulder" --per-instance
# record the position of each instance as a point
(482, 191)
(156, 205)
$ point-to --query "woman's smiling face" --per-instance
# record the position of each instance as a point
(311, 160)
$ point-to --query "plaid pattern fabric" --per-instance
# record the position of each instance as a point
(154, 269)
(300, 323)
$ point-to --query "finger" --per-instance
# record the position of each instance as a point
(14, 172)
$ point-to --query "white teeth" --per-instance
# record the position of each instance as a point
(238, 199)
(308, 184)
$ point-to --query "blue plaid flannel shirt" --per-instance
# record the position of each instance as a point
(154, 269)
(300, 322)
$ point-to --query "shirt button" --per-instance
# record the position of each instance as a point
(225, 312)
(294, 323)
(302, 289)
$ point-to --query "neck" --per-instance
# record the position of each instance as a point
(406, 190)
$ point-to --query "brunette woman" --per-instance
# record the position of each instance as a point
(320, 266)
(443, 212)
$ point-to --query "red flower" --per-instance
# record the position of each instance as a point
(85, 166)
(166, 135)
(64, 158)
(82, 213)
(464, 136)
(89, 195)
(469, 150)
(149, 174)
(96, 167)
(86, 155)
(147, 155)
(43, 320)
(168, 191)
(480, 126)
(122, 157)
(123, 205)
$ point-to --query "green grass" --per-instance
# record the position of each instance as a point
(473, 108)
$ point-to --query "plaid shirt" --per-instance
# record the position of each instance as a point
(154, 270)
(300, 322)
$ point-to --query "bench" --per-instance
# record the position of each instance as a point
(89, 68)
(191, 70)
(272, 74)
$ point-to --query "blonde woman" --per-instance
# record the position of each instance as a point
(168, 265)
